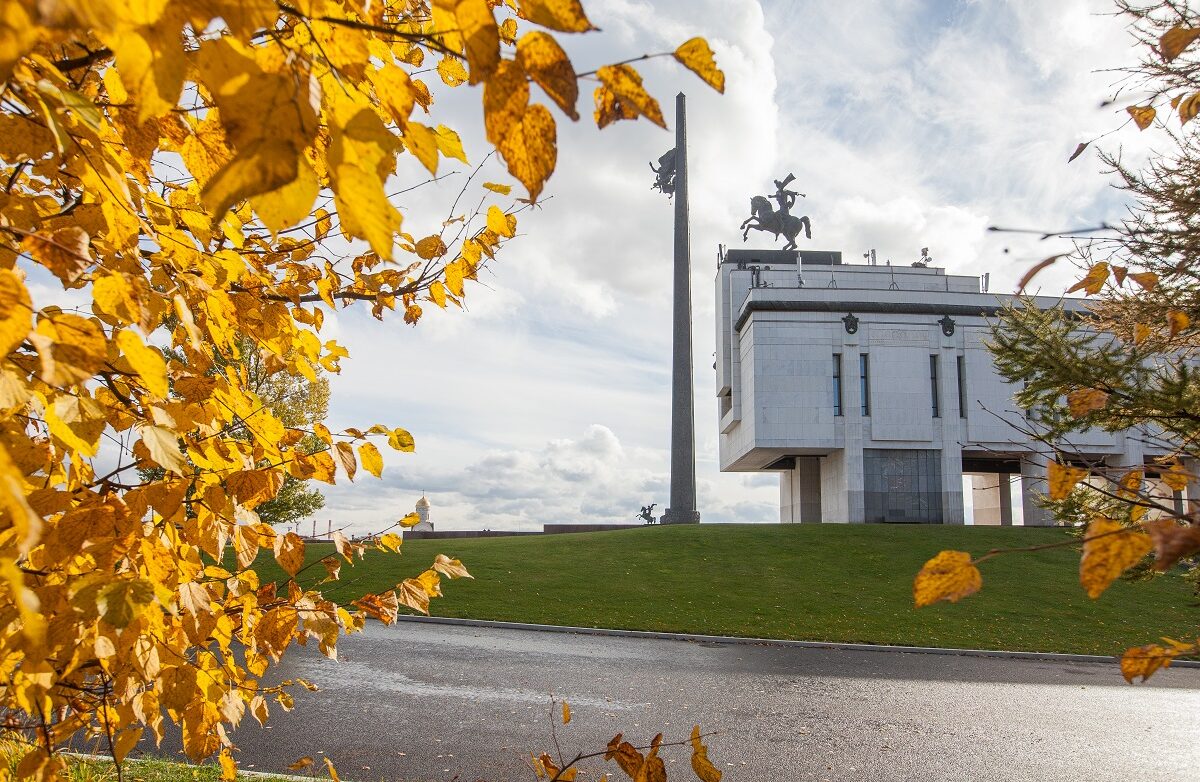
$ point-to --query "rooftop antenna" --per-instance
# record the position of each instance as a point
(892, 286)
(870, 256)
(987, 279)
(924, 260)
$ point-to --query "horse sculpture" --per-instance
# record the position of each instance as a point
(764, 218)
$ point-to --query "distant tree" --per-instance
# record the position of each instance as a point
(1133, 361)
(298, 403)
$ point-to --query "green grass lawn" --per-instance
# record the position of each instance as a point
(810, 582)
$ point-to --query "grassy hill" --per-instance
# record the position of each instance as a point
(812, 582)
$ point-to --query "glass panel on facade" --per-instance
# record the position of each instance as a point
(962, 387)
(864, 382)
(902, 485)
(837, 383)
(933, 385)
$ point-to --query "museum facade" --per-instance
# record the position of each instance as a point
(870, 389)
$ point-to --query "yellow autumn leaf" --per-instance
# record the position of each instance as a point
(1140, 332)
(289, 552)
(1176, 477)
(500, 223)
(65, 252)
(333, 567)
(422, 142)
(77, 422)
(401, 440)
(452, 71)
(1174, 41)
(530, 149)
(1061, 479)
(163, 445)
(951, 575)
(1092, 283)
(409, 520)
(498, 188)
(228, 765)
(364, 208)
(119, 602)
(120, 297)
(454, 278)
(609, 108)
(437, 293)
(697, 57)
(1189, 107)
(1148, 280)
(152, 65)
(449, 144)
(146, 361)
(566, 16)
(372, 460)
(481, 37)
(1143, 661)
(1142, 115)
(391, 541)
(1109, 549)
(289, 205)
(72, 349)
(566, 713)
(16, 311)
(704, 768)
(626, 84)
(263, 166)
(1177, 321)
(253, 487)
(508, 31)
(451, 568)
(1129, 485)
(25, 522)
(540, 56)
(1084, 400)
(301, 764)
(505, 100)
(345, 457)
(431, 247)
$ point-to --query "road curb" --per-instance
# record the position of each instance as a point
(736, 640)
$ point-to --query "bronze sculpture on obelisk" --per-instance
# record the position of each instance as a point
(672, 179)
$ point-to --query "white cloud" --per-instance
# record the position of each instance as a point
(590, 477)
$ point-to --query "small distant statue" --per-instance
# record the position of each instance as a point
(664, 175)
(764, 218)
(647, 513)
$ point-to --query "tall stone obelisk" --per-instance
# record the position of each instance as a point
(683, 436)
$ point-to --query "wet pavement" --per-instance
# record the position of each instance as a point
(437, 702)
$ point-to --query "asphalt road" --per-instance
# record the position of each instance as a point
(435, 702)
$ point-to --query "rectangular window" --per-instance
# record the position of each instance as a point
(864, 382)
(962, 387)
(837, 384)
(933, 386)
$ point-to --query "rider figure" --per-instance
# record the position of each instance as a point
(784, 197)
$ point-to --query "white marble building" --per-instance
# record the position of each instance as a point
(870, 390)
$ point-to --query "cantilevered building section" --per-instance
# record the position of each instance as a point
(871, 391)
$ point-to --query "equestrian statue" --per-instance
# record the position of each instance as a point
(782, 221)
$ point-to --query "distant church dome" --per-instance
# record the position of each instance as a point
(422, 509)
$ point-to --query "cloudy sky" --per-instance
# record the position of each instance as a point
(908, 124)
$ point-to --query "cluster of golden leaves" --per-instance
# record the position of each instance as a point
(639, 767)
(1109, 549)
(201, 174)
